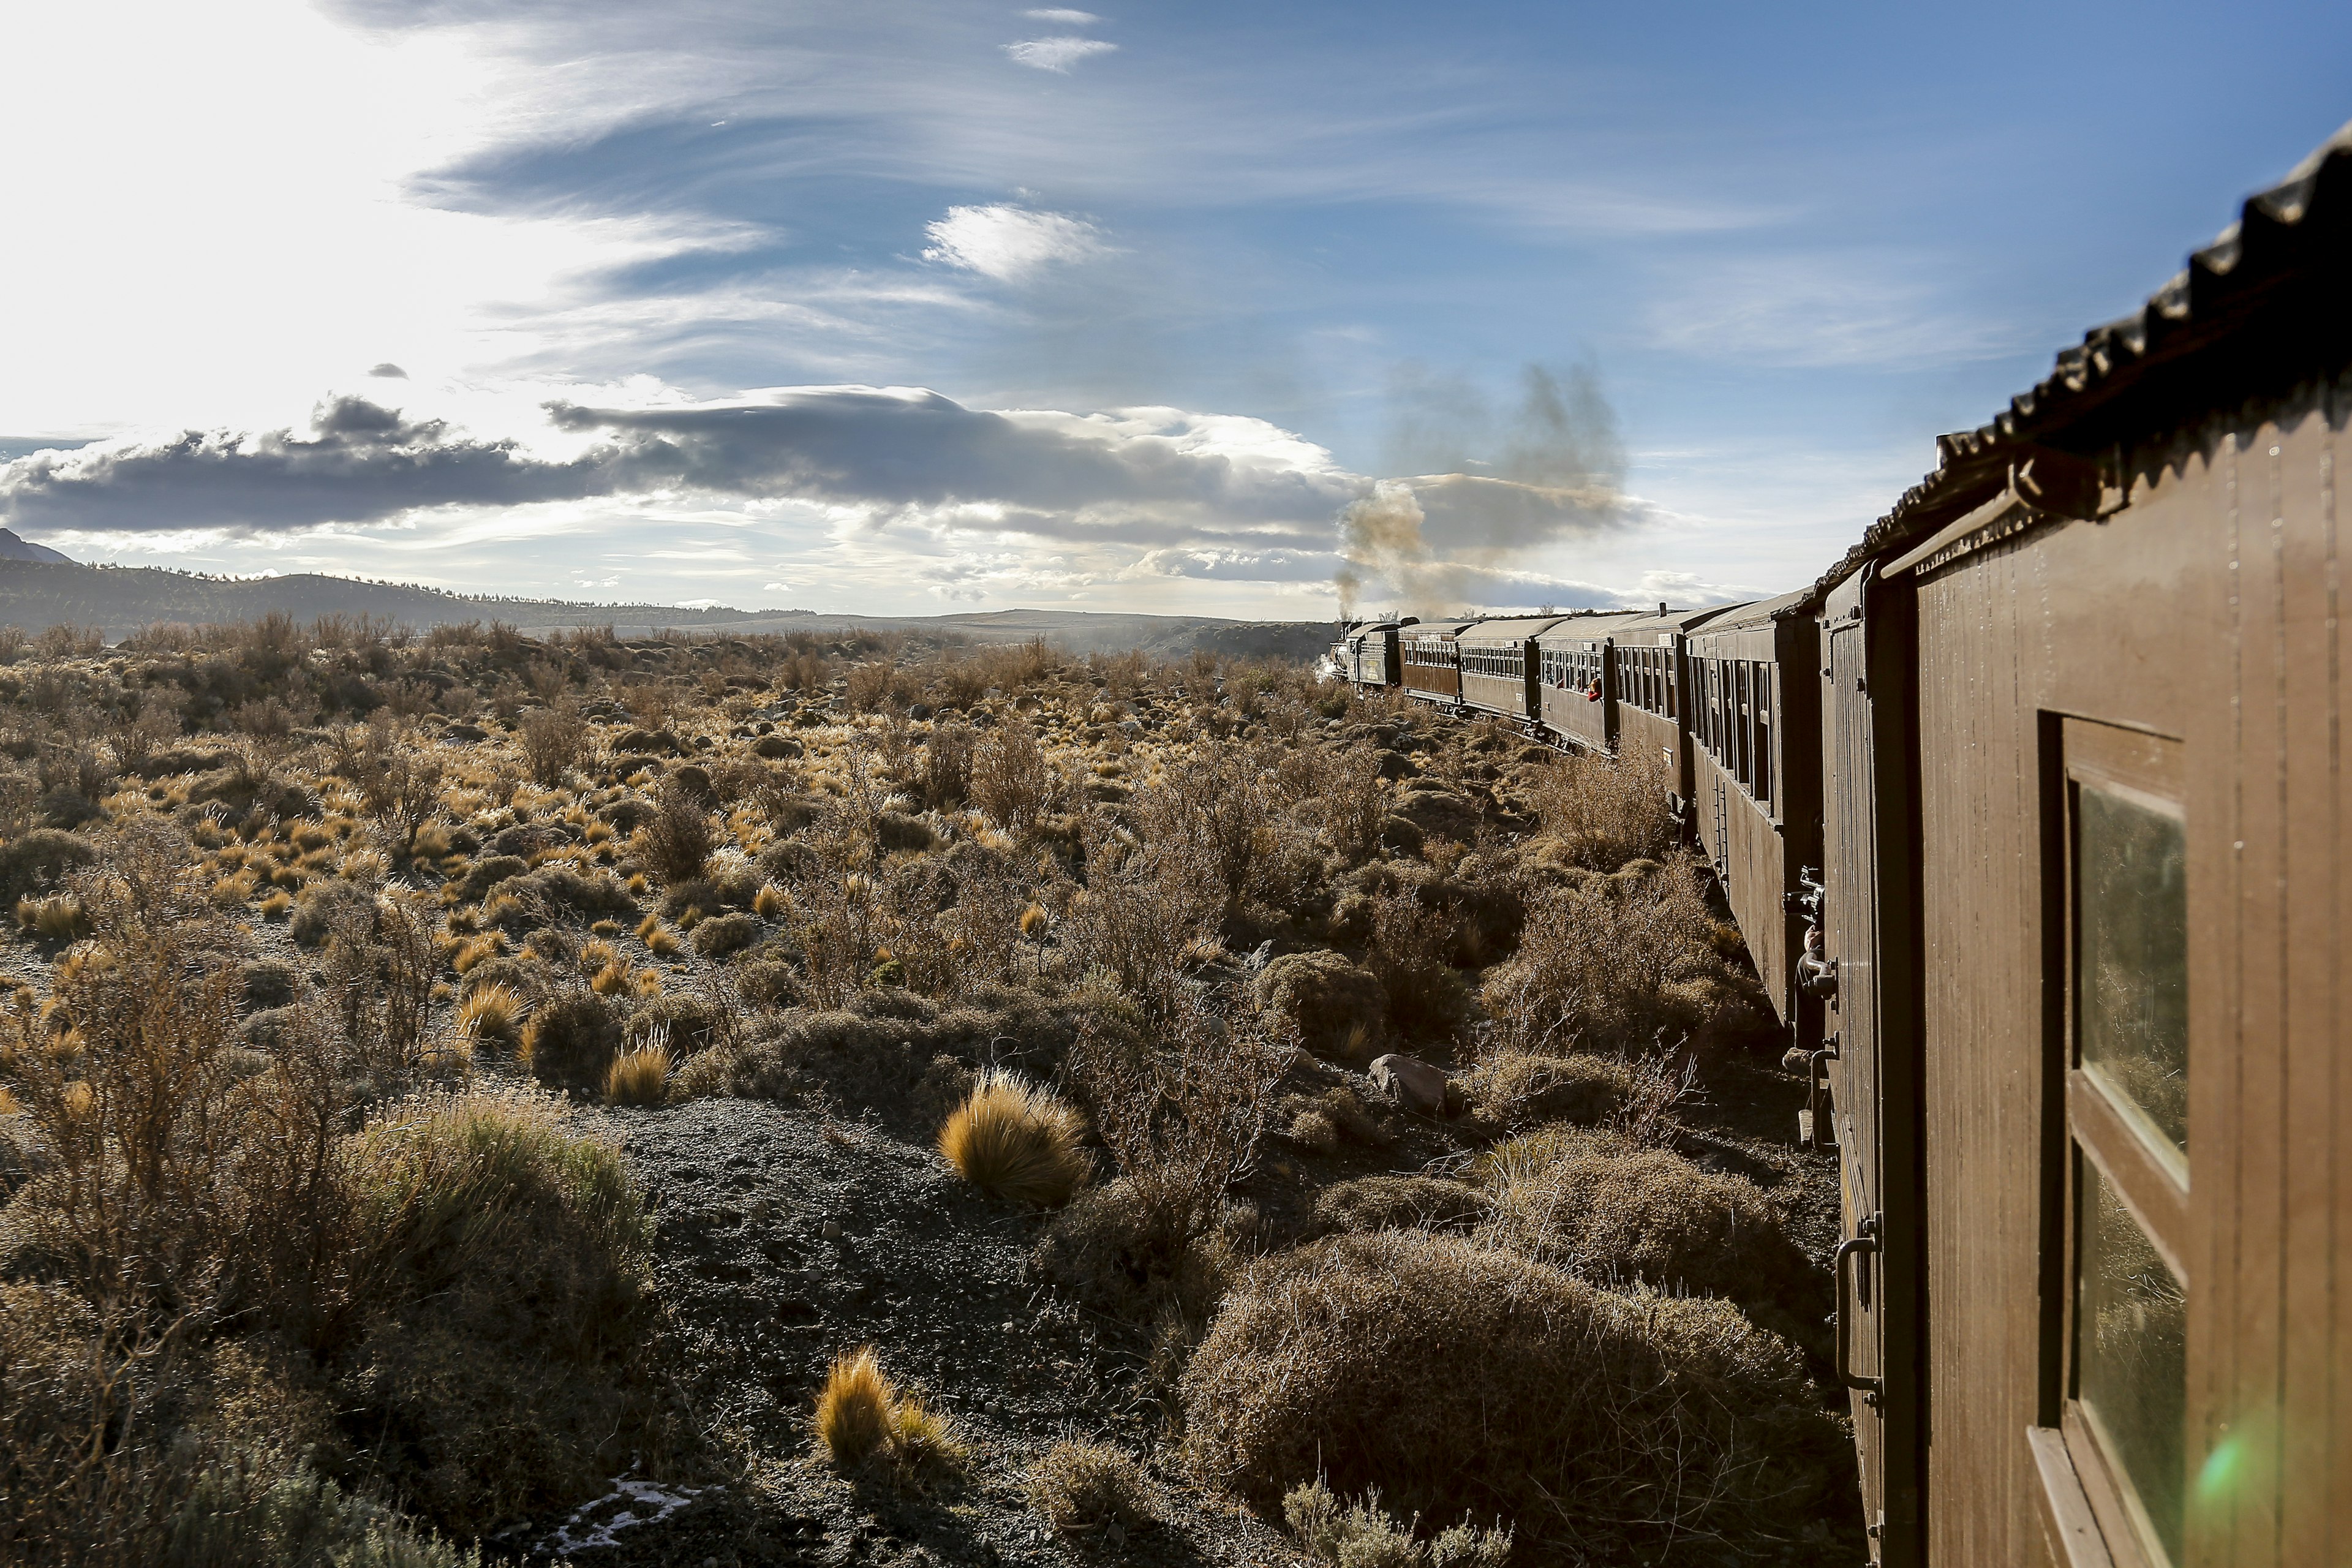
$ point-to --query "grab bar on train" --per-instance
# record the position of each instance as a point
(1863, 1245)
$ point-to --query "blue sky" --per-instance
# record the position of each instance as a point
(907, 306)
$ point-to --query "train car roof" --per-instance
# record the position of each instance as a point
(1762, 611)
(1443, 628)
(1604, 625)
(1677, 620)
(1516, 628)
(2262, 306)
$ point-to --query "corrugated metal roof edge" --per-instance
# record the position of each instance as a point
(2283, 229)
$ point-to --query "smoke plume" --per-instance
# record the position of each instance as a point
(1485, 486)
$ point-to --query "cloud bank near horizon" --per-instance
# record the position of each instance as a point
(1129, 496)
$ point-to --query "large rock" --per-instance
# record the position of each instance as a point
(1340, 1008)
(1414, 1084)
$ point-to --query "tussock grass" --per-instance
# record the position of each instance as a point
(862, 1417)
(1013, 1140)
(492, 1014)
(639, 1077)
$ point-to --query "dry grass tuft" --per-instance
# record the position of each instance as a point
(1013, 1140)
(1366, 1535)
(491, 1014)
(1083, 1489)
(862, 1417)
(640, 1077)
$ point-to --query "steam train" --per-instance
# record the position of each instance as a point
(2036, 811)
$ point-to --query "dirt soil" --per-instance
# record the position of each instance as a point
(785, 1237)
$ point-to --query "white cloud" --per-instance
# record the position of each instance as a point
(1009, 243)
(1062, 19)
(1056, 54)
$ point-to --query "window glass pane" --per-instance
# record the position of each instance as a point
(2133, 975)
(2131, 1371)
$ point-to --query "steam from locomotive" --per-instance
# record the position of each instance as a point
(1485, 487)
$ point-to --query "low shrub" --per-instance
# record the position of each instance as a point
(1513, 1090)
(1400, 1203)
(571, 1039)
(1015, 1141)
(270, 982)
(1603, 1208)
(485, 874)
(1474, 1382)
(1615, 960)
(322, 906)
(721, 935)
(37, 861)
(1083, 1489)
(1339, 1008)
(1366, 1535)
(560, 887)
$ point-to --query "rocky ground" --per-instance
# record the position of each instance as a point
(787, 1235)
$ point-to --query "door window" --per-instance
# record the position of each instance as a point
(2125, 1382)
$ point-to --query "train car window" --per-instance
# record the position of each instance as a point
(2124, 1381)
(1763, 683)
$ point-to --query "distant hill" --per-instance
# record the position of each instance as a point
(38, 592)
(15, 549)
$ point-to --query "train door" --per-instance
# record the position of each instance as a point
(1864, 974)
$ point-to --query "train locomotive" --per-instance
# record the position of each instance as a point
(2035, 813)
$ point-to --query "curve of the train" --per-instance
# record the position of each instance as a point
(2036, 814)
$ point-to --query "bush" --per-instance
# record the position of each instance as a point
(1338, 1008)
(1013, 1139)
(1605, 1209)
(1083, 1488)
(723, 934)
(675, 842)
(571, 1039)
(560, 887)
(1400, 1203)
(1601, 812)
(1365, 1535)
(1010, 779)
(39, 860)
(1609, 960)
(1472, 1381)
(270, 982)
(323, 906)
(862, 1416)
(554, 741)
(1513, 1091)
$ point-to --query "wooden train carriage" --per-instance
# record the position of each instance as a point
(1653, 705)
(1576, 700)
(2087, 814)
(1429, 662)
(1756, 772)
(1367, 653)
(1498, 665)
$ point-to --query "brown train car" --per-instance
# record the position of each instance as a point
(1429, 663)
(1756, 775)
(1498, 665)
(1367, 653)
(1575, 700)
(1653, 695)
(2089, 902)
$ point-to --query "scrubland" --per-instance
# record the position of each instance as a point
(863, 1101)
